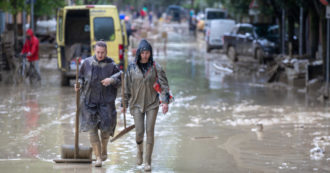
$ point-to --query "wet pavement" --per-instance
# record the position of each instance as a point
(221, 121)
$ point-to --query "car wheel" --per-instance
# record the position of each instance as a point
(232, 53)
(65, 80)
(259, 56)
(208, 49)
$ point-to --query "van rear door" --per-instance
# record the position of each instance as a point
(60, 37)
(105, 25)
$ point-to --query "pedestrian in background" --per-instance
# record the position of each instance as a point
(143, 100)
(31, 50)
(150, 17)
(99, 78)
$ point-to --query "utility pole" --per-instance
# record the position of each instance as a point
(14, 3)
(283, 31)
(32, 15)
(301, 26)
(328, 52)
(23, 24)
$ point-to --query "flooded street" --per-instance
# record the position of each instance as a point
(221, 121)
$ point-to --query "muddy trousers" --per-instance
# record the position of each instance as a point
(146, 121)
(99, 144)
(36, 67)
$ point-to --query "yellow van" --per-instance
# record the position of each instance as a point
(78, 29)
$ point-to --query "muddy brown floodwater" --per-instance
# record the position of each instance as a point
(220, 122)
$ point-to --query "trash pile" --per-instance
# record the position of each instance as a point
(299, 72)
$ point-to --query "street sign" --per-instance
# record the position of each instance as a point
(254, 8)
(324, 2)
(254, 4)
(327, 14)
(254, 11)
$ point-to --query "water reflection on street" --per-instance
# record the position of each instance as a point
(219, 122)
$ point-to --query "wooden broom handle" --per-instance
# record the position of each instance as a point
(76, 144)
(123, 100)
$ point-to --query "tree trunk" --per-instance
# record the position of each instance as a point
(290, 33)
(14, 4)
(305, 33)
(314, 33)
(15, 32)
(35, 26)
(323, 37)
(283, 31)
(280, 30)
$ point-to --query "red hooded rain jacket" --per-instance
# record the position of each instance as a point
(31, 46)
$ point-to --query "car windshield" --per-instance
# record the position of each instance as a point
(245, 29)
(215, 15)
(266, 31)
(173, 10)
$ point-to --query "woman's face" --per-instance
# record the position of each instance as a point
(145, 55)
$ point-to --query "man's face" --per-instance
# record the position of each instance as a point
(100, 52)
(28, 37)
(145, 55)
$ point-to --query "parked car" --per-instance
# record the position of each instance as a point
(252, 40)
(91, 24)
(175, 13)
(274, 35)
(215, 32)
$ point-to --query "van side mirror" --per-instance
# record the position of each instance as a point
(86, 28)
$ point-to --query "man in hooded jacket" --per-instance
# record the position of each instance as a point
(31, 49)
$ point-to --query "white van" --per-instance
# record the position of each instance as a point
(215, 32)
(213, 14)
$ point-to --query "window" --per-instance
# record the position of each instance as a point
(243, 30)
(234, 30)
(215, 15)
(104, 29)
(60, 26)
(86, 28)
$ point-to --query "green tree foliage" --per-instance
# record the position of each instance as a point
(235, 7)
(12, 6)
(47, 8)
(269, 7)
(42, 7)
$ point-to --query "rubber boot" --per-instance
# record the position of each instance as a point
(97, 152)
(139, 155)
(147, 163)
(104, 152)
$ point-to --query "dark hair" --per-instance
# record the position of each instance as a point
(101, 43)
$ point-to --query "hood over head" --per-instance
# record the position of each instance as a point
(29, 32)
(144, 45)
